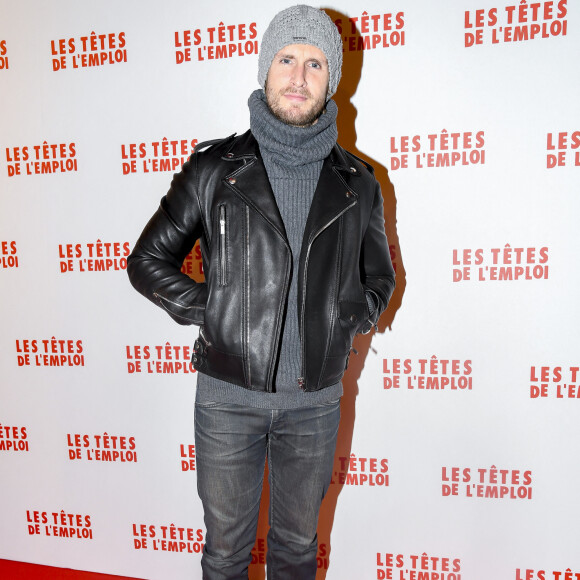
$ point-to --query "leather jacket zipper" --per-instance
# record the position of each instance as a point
(279, 318)
(248, 291)
(301, 379)
(222, 245)
(202, 334)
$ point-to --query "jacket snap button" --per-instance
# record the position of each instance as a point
(232, 180)
(353, 317)
(348, 194)
(352, 170)
(194, 360)
(229, 155)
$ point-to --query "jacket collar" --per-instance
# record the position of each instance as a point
(334, 194)
(245, 147)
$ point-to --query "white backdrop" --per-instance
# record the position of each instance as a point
(457, 455)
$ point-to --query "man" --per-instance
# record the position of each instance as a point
(296, 262)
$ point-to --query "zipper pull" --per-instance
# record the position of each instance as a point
(222, 220)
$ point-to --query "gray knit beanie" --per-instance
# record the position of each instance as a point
(302, 25)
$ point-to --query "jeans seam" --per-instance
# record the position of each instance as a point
(272, 486)
(272, 483)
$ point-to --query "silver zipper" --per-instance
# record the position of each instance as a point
(202, 334)
(248, 294)
(301, 330)
(222, 245)
(279, 321)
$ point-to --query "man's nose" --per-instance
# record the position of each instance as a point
(298, 77)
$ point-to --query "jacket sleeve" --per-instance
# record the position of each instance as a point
(378, 275)
(154, 265)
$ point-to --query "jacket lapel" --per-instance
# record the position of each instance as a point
(333, 196)
(250, 182)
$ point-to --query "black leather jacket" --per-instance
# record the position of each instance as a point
(223, 197)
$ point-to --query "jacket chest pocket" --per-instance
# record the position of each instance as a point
(222, 245)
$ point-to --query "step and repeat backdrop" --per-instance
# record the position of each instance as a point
(458, 450)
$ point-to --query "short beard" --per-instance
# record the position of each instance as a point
(291, 116)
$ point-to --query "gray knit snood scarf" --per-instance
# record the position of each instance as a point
(287, 145)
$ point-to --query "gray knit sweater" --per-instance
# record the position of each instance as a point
(293, 158)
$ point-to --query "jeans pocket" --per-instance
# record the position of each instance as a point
(208, 404)
(329, 403)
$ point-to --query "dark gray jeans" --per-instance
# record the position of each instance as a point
(232, 443)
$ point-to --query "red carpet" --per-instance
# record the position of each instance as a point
(10, 570)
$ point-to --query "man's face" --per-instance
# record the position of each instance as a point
(297, 84)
